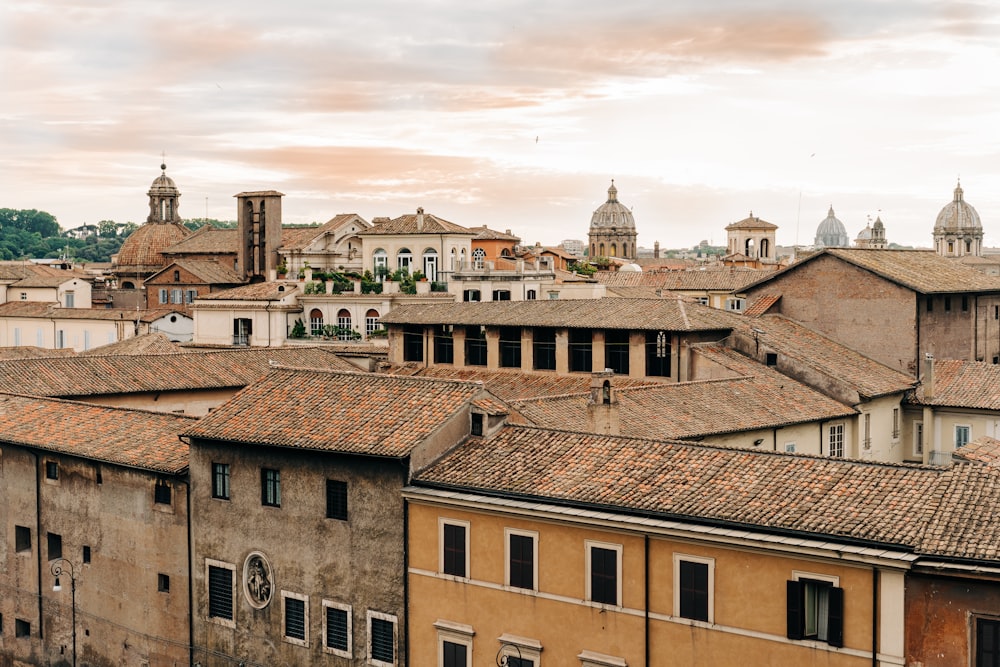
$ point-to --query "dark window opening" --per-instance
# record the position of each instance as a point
(55, 546)
(658, 353)
(471, 295)
(22, 628)
(454, 655)
(270, 487)
(454, 550)
(295, 618)
(965, 304)
(475, 346)
(616, 351)
(242, 330)
(444, 346)
(220, 592)
(510, 347)
(51, 470)
(336, 499)
(531, 295)
(815, 611)
(336, 628)
(86, 554)
(947, 304)
(383, 640)
(771, 359)
(22, 538)
(544, 349)
(694, 590)
(220, 481)
(930, 304)
(522, 561)
(501, 295)
(987, 642)
(604, 575)
(413, 343)
(161, 492)
(581, 351)
(477, 423)
(163, 583)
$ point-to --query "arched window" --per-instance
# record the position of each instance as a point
(968, 245)
(749, 248)
(764, 251)
(344, 324)
(478, 257)
(404, 258)
(431, 264)
(316, 322)
(127, 284)
(602, 250)
(463, 257)
(614, 250)
(371, 321)
(593, 250)
(505, 252)
(625, 250)
(454, 258)
(380, 264)
(531, 295)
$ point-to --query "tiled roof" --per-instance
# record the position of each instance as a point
(56, 280)
(511, 385)
(298, 238)
(132, 438)
(690, 409)
(125, 374)
(484, 233)
(723, 279)
(142, 250)
(981, 450)
(44, 310)
(206, 270)
(751, 222)
(207, 240)
(266, 291)
(356, 413)
(416, 223)
(608, 312)
(761, 305)
(923, 271)
(962, 384)
(868, 377)
(16, 270)
(32, 352)
(151, 343)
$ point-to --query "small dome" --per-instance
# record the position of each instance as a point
(612, 213)
(865, 234)
(163, 184)
(831, 233)
(958, 215)
(140, 253)
(630, 268)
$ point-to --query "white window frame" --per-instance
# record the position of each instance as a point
(330, 604)
(395, 638)
(866, 435)
(520, 647)
(790, 447)
(533, 534)
(442, 522)
(798, 575)
(968, 434)
(594, 659)
(70, 299)
(215, 619)
(895, 424)
(589, 545)
(829, 440)
(918, 439)
(678, 557)
(735, 304)
(456, 633)
(285, 595)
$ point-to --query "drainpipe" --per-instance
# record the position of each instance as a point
(646, 604)
(875, 582)
(190, 550)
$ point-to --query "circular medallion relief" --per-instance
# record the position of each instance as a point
(258, 582)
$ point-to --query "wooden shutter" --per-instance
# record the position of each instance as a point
(835, 618)
(794, 609)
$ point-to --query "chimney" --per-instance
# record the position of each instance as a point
(420, 219)
(656, 250)
(602, 406)
(380, 220)
(928, 381)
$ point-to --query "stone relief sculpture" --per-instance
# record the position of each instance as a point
(257, 580)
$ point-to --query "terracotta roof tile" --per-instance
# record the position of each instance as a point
(962, 384)
(132, 438)
(206, 240)
(298, 238)
(207, 270)
(266, 291)
(721, 279)
(981, 450)
(484, 233)
(44, 310)
(761, 305)
(151, 343)
(416, 223)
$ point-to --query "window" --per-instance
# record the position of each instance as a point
(836, 440)
(344, 324)
(270, 487)
(616, 353)
(501, 295)
(454, 654)
(694, 581)
(371, 322)
(315, 322)
(987, 642)
(521, 558)
(220, 591)
(295, 618)
(658, 353)
(510, 347)
(962, 434)
(70, 300)
(22, 538)
(477, 424)
(454, 552)
(381, 639)
(735, 304)
(164, 296)
(86, 554)
(444, 345)
(22, 628)
(580, 351)
(895, 423)
(337, 629)
(55, 546)
(520, 651)
(771, 358)
(454, 644)
(471, 295)
(815, 609)
(380, 265)
(965, 304)
(604, 572)
(404, 259)
(544, 348)
(430, 264)
(163, 583)
(478, 258)
(790, 447)
(190, 295)
(475, 346)
(176, 296)
(177, 276)
(220, 481)
(531, 295)
(51, 470)
(413, 343)
(866, 439)
(336, 499)
(553, 296)
(918, 438)
(242, 330)
(161, 492)
(703, 300)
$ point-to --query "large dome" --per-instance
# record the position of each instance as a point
(831, 233)
(958, 215)
(140, 253)
(612, 213)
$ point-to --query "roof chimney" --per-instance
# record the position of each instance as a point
(928, 382)
(602, 406)
(420, 218)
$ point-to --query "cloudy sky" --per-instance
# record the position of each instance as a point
(508, 113)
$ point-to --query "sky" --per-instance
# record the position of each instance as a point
(509, 113)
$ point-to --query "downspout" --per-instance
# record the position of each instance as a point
(916, 361)
(875, 582)
(774, 439)
(645, 578)
(190, 529)
(38, 537)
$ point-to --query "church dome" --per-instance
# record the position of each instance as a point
(612, 213)
(163, 184)
(630, 268)
(140, 253)
(831, 233)
(958, 215)
(865, 234)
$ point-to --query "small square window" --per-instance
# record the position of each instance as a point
(336, 499)
(161, 493)
(163, 583)
(22, 538)
(51, 470)
(22, 628)
(55, 546)
(86, 554)
(771, 358)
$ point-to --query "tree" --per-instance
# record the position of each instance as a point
(107, 229)
(29, 220)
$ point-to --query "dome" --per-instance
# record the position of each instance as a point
(630, 268)
(831, 233)
(612, 213)
(163, 184)
(958, 215)
(140, 253)
(866, 233)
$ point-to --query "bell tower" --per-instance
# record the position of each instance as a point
(258, 219)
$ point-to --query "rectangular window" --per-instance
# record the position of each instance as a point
(604, 568)
(836, 440)
(693, 583)
(337, 628)
(220, 481)
(531, 295)
(381, 639)
(190, 295)
(866, 437)
(965, 304)
(164, 296)
(371, 325)
(790, 447)
(270, 487)
(22, 538)
(521, 558)
(413, 343)
(471, 295)
(616, 355)
(163, 583)
(220, 590)
(454, 547)
(735, 304)
(918, 438)
(454, 655)
(336, 499)
(444, 345)
(581, 351)
(501, 295)
(510, 347)
(895, 423)
(544, 348)
(475, 346)
(295, 613)
(70, 300)
(161, 492)
(51, 470)
(815, 609)
(55, 546)
(22, 628)
(86, 554)
(987, 642)
(176, 296)
(477, 424)
(242, 330)
(962, 434)
(658, 353)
